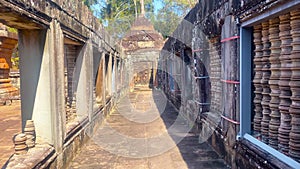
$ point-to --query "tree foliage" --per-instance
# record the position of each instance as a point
(168, 18)
(165, 21)
(118, 15)
(89, 3)
(180, 7)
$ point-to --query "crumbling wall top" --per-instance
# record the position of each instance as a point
(74, 17)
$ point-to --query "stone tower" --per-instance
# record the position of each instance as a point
(142, 45)
(8, 42)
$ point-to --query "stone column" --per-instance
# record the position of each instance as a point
(154, 71)
(83, 81)
(183, 74)
(117, 74)
(114, 75)
(110, 71)
(109, 76)
(100, 83)
(119, 77)
(42, 82)
(104, 80)
(57, 78)
(90, 78)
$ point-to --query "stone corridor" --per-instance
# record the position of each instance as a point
(145, 131)
(230, 66)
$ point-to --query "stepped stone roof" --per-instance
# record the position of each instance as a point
(142, 35)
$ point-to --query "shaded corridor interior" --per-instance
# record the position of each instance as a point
(144, 130)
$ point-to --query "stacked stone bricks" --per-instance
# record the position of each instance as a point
(29, 130)
(8, 42)
(20, 144)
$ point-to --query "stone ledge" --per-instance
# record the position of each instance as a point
(251, 155)
(41, 156)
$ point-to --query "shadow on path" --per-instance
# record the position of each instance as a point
(145, 131)
(194, 154)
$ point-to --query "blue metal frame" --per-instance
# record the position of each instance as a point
(245, 79)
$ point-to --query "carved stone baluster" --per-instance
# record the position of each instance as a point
(265, 82)
(29, 130)
(294, 110)
(20, 144)
(257, 78)
(285, 74)
(273, 82)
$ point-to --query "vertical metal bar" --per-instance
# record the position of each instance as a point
(245, 80)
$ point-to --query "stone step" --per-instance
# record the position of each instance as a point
(5, 85)
(5, 81)
(8, 90)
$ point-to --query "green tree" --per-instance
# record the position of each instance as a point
(168, 18)
(165, 21)
(118, 15)
(89, 3)
(181, 7)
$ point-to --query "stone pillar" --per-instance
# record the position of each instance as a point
(183, 74)
(83, 79)
(114, 75)
(100, 88)
(96, 62)
(96, 72)
(118, 74)
(122, 73)
(173, 72)
(109, 74)
(104, 79)
(177, 74)
(89, 77)
(154, 71)
(42, 82)
(129, 74)
(57, 80)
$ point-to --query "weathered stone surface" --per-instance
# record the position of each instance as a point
(186, 154)
(44, 27)
(209, 59)
(141, 45)
(10, 124)
(39, 157)
(8, 42)
(74, 17)
(142, 35)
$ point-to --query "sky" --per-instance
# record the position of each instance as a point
(157, 5)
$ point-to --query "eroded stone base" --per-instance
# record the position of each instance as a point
(40, 156)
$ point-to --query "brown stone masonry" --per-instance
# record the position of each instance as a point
(8, 42)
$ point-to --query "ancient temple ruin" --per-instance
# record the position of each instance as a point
(230, 72)
(238, 75)
(142, 45)
(8, 42)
